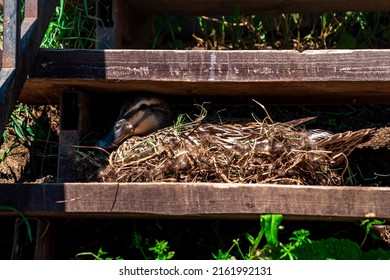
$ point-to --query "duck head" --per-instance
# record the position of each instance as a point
(140, 115)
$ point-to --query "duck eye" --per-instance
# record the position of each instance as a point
(143, 107)
(118, 125)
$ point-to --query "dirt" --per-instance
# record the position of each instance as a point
(35, 158)
(13, 167)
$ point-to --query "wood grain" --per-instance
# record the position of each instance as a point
(202, 200)
(323, 76)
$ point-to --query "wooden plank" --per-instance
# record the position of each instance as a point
(321, 76)
(74, 124)
(220, 7)
(190, 200)
(122, 27)
(66, 169)
(32, 31)
(45, 239)
(11, 34)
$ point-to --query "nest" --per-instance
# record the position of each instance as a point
(256, 152)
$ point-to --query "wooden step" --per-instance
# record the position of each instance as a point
(279, 77)
(194, 200)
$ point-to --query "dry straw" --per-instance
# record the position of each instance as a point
(256, 152)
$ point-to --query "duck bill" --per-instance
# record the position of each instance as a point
(111, 140)
(108, 141)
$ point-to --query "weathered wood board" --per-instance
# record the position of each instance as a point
(30, 33)
(322, 76)
(191, 200)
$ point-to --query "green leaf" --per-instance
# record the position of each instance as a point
(379, 254)
(250, 238)
(270, 223)
(332, 248)
(221, 255)
(368, 223)
(24, 219)
(170, 255)
(347, 41)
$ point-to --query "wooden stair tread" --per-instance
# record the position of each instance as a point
(321, 76)
(188, 200)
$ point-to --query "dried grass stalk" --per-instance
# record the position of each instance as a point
(257, 152)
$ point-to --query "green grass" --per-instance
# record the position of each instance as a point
(72, 26)
(265, 245)
(21, 121)
(160, 251)
(352, 30)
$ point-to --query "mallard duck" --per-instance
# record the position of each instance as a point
(141, 114)
(257, 152)
(232, 136)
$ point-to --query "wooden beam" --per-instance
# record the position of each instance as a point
(322, 76)
(11, 34)
(196, 200)
(66, 169)
(226, 7)
(31, 33)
